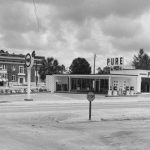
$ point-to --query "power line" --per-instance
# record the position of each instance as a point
(36, 16)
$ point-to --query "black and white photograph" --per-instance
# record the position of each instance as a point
(74, 74)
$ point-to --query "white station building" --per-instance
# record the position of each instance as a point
(119, 80)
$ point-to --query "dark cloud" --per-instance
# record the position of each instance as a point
(131, 44)
(16, 16)
(17, 19)
(121, 27)
(85, 31)
(89, 45)
(79, 10)
(13, 40)
(74, 27)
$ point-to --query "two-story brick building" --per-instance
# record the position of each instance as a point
(13, 70)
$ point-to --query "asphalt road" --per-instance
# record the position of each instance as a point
(38, 124)
(7, 105)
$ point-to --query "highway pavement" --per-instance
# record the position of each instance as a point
(67, 102)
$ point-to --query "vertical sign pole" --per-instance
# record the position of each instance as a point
(29, 78)
(29, 61)
(94, 64)
(90, 98)
(90, 110)
(36, 73)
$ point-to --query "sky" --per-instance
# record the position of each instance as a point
(67, 29)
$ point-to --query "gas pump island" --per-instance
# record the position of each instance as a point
(29, 61)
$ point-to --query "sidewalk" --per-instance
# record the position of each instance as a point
(69, 98)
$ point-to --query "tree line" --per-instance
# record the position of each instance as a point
(81, 66)
(51, 66)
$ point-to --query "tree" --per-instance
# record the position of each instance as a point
(50, 66)
(141, 61)
(100, 71)
(80, 66)
(105, 70)
(63, 69)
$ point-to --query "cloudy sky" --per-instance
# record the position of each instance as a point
(66, 29)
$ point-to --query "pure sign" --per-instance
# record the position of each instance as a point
(90, 97)
(118, 61)
(28, 60)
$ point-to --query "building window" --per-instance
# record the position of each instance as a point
(21, 69)
(13, 78)
(2, 67)
(13, 68)
(4, 76)
(21, 80)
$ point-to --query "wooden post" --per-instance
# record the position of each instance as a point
(90, 105)
(29, 80)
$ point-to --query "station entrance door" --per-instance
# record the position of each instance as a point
(145, 85)
(101, 86)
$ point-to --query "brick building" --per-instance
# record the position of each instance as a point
(13, 70)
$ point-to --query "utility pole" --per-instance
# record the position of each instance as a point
(94, 63)
(8, 76)
(94, 72)
(29, 62)
(36, 73)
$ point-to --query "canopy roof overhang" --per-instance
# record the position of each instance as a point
(95, 76)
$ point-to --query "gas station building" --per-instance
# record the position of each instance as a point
(118, 80)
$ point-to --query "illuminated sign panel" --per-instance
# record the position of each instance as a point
(118, 61)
